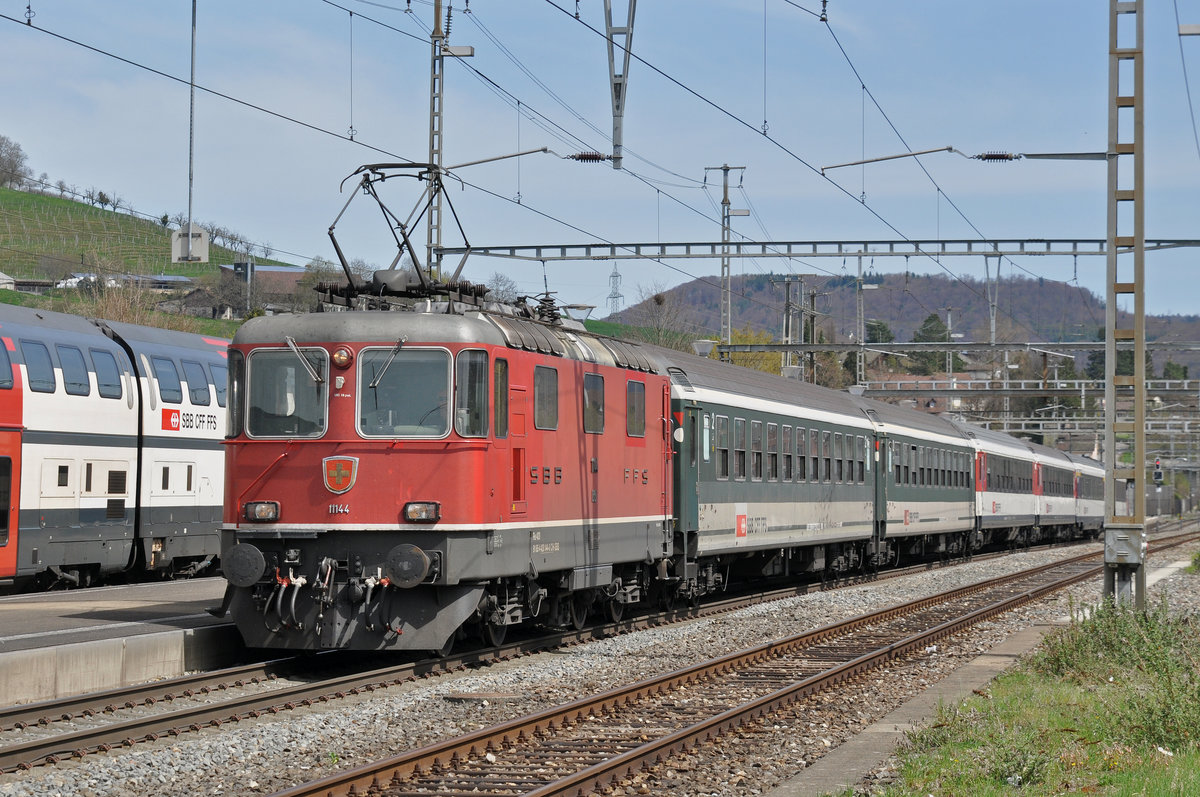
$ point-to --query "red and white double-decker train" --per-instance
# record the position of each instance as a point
(110, 449)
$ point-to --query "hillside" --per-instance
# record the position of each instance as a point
(45, 237)
(1028, 309)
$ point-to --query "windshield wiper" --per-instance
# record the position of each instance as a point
(291, 342)
(386, 363)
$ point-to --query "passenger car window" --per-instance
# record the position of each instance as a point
(74, 371)
(170, 389)
(197, 383)
(38, 367)
(108, 375)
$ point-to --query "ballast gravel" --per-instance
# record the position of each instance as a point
(256, 757)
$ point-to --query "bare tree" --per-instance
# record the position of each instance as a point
(13, 168)
(658, 318)
(502, 288)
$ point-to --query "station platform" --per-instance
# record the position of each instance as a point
(59, 643)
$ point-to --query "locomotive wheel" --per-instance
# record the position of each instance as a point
(580, 602)
(494, 633)
(616, 610)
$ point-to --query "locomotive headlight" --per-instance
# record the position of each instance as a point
(261, 511)
(342, 357)
(423, 512)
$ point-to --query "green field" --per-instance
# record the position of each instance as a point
(46, 237)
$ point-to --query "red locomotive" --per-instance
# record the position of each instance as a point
(397, 478)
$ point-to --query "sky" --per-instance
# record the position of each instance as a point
(97, 95)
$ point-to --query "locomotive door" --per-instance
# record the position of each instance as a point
(10, 499)
(517, 436)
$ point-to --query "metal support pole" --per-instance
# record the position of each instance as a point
(618, 80)
(1124, 394)
(433, 224)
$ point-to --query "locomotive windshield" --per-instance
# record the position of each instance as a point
(404, 393)
(285, 400)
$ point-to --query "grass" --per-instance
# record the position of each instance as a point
(1108, 705)
(45, 237)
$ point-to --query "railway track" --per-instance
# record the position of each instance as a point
(595, 742)
(51, 732)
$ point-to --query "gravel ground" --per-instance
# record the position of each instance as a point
(258, 757)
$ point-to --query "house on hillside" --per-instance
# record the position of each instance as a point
(273, 289)
(7, 283)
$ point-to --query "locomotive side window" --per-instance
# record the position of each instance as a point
(220, 377)
(6, 377)
(197, 382)
(500, 397)
(403, 392)
(545, 397)
(593, 404)
(38, 367)
(471, 396)
(170, 389)
(74, 371)
(635, 412)
(284, 399)
(722, 433)
(108, 375)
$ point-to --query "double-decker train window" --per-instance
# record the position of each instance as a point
(170, 389)
(38, 367)
(593, 404)
(722, 441)
(635, 412)
(403, 392)
(74, 371)
(471, 394)
(285, 400)
(545, 397)
(500, 397)
(220, 377)
(108, 375)
(197, 382)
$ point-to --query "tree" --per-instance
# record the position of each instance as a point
(502, 288)
(13, 168)
(879, 332)
(932, 330)
(1174, 370)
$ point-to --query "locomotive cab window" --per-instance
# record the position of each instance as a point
(6, 376)
(471, 395)
(593, 404)
(284, 398)
(404, 392)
